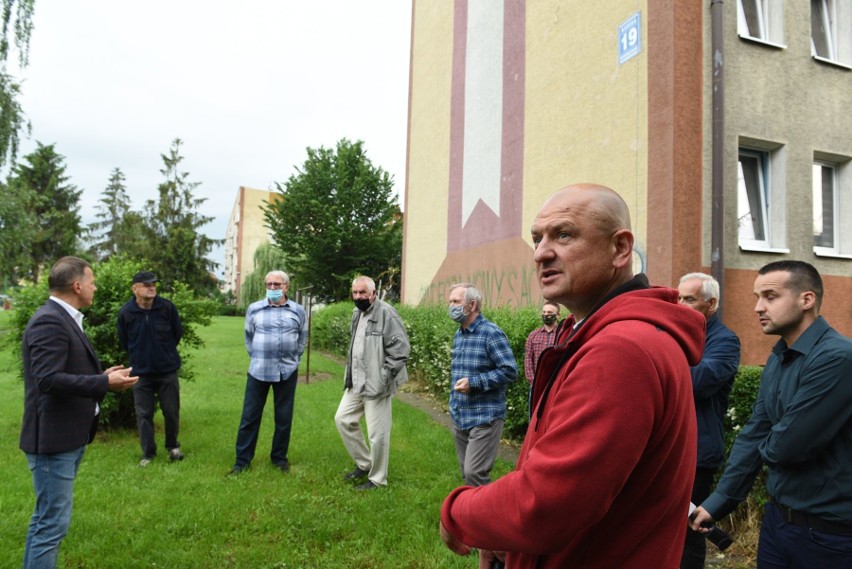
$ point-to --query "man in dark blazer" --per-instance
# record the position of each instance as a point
(63, 385)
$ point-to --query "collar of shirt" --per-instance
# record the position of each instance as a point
(471, 328)
(75, 314)
(804, 343)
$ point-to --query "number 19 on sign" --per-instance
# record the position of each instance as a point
(629, 38)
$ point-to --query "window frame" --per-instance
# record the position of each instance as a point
(770, 21)
(772, 180)
(841, 203)
(829, 20)
(819, 193)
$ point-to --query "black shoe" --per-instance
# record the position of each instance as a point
(285, 467)
(175, 454)
(368, 485)
(235, 470)
(356, 474)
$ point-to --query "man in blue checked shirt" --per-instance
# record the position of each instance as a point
(483, 365)
(276, 333)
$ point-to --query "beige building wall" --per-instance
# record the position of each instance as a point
(578, 116)
(245, 233)
(428, 147)
(586, 114)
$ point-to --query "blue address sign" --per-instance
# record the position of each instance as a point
(629, 38)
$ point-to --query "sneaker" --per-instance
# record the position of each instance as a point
(285, 467)
(368, 485)
(146, 460)
(175, 454)
(356, 474)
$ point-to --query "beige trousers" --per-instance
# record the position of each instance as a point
(378, 417)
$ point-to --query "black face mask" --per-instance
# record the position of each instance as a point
(548, 318)
(363, 304)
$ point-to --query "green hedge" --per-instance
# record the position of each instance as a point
(431, 334)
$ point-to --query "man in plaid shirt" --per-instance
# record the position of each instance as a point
(482, 366)
(541, 338)
(276, 333)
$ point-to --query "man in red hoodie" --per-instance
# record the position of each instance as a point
(605, 472)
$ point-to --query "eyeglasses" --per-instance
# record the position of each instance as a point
(274, 285)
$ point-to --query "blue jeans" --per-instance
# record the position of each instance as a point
(790, 546)
(284, 393)
(53, 482)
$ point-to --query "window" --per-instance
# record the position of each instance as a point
(831, 31)
(761, 211)
(825, 205)
(832, 202)
(751, 197)
(761, 20)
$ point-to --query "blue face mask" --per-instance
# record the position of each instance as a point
(457, 313)
(274, 295)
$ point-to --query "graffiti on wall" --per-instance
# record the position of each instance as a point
(512, 286)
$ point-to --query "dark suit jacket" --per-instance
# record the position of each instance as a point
(62, 383)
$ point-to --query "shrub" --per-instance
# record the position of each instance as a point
(112, 279)
(330, 328)
(740, 406)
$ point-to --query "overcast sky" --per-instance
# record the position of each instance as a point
(246, 85)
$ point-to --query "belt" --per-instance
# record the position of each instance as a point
(811, 521)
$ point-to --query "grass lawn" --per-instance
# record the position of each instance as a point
(189, 514)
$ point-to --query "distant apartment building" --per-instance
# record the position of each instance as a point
(246, 232)
(725, 126)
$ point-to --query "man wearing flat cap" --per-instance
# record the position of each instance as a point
(149, 329)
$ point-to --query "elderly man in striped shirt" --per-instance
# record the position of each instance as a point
(276, 333)
(482, 367)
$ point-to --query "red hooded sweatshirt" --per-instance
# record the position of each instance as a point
(605, 473)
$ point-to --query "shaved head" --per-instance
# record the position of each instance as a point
(583, 246)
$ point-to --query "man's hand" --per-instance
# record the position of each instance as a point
(452, 543)
(699, 518)
(120, 378)
(462, 385)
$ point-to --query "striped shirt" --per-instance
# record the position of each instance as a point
(276, 336)
(481, 353)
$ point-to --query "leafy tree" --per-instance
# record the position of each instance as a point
(16, 17)
(119, 229)
(17, 231)
(267, 258)
(177, 250)
(39, 186)
(337, 217)
(113, 279)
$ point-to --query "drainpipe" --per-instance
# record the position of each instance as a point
(717, 238)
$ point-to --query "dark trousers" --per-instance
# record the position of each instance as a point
(789, 546)
(167, 390)
(284, 393)
(694, 548)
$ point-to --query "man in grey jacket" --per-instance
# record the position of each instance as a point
(375, 368)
